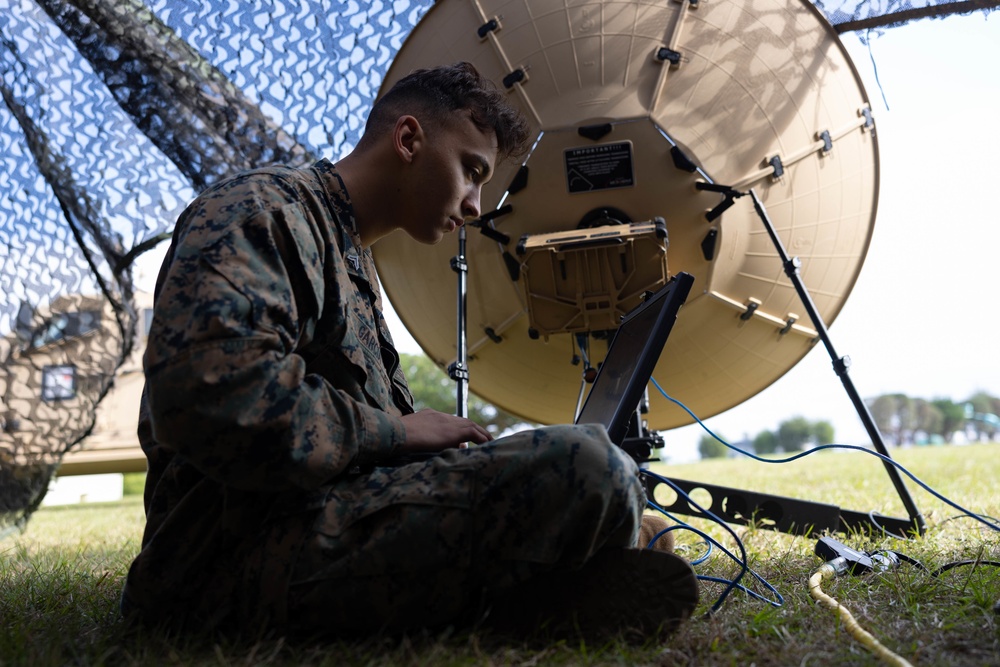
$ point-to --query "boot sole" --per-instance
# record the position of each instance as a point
(637, 593)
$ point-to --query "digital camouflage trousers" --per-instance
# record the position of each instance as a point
(420, 545)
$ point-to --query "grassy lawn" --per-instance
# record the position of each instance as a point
(60, 580)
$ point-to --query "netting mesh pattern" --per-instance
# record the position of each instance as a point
(115, 113)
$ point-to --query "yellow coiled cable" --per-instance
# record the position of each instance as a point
(827, 571)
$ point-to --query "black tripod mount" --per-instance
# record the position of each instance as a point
(789, 514)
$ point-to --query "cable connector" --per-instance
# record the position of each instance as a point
(857, 562)
(838, 565)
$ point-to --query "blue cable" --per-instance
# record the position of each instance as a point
(740, 560)
(886, 459)
(732, 583)
(868, 42)
(680, 526)
(741, 587)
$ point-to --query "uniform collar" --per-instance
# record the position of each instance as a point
(343, 211)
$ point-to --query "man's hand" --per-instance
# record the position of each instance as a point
(431, 431)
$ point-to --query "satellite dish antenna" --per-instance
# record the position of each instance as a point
(634, 104)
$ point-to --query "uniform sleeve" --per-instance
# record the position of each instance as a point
(226, 389)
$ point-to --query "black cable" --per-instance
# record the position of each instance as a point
(962, 563)
(965, 516)
(902, 557)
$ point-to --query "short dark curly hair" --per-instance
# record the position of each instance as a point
(431, 94)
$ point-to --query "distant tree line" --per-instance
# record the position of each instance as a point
(900, 418)
(792, 435)
(903, 419)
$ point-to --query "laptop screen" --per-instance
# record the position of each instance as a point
(632, 355)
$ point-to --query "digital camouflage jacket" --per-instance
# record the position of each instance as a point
(270, 371)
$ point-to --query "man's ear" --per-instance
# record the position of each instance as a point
(407, 138)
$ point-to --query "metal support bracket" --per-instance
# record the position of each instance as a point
(780, 513)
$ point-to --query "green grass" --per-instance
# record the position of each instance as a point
(133, 483)
(60, 580)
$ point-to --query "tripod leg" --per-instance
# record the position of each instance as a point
(840, 365)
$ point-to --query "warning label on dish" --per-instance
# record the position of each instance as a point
(601, 167)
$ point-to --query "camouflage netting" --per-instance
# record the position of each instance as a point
(115, 113)
(850, 15)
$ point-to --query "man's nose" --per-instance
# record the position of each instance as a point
(470, 207)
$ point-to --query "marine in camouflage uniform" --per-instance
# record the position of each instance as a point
(273, 411)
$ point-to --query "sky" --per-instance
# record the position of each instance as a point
(924, 316)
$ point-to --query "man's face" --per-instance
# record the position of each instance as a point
(454, 163)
